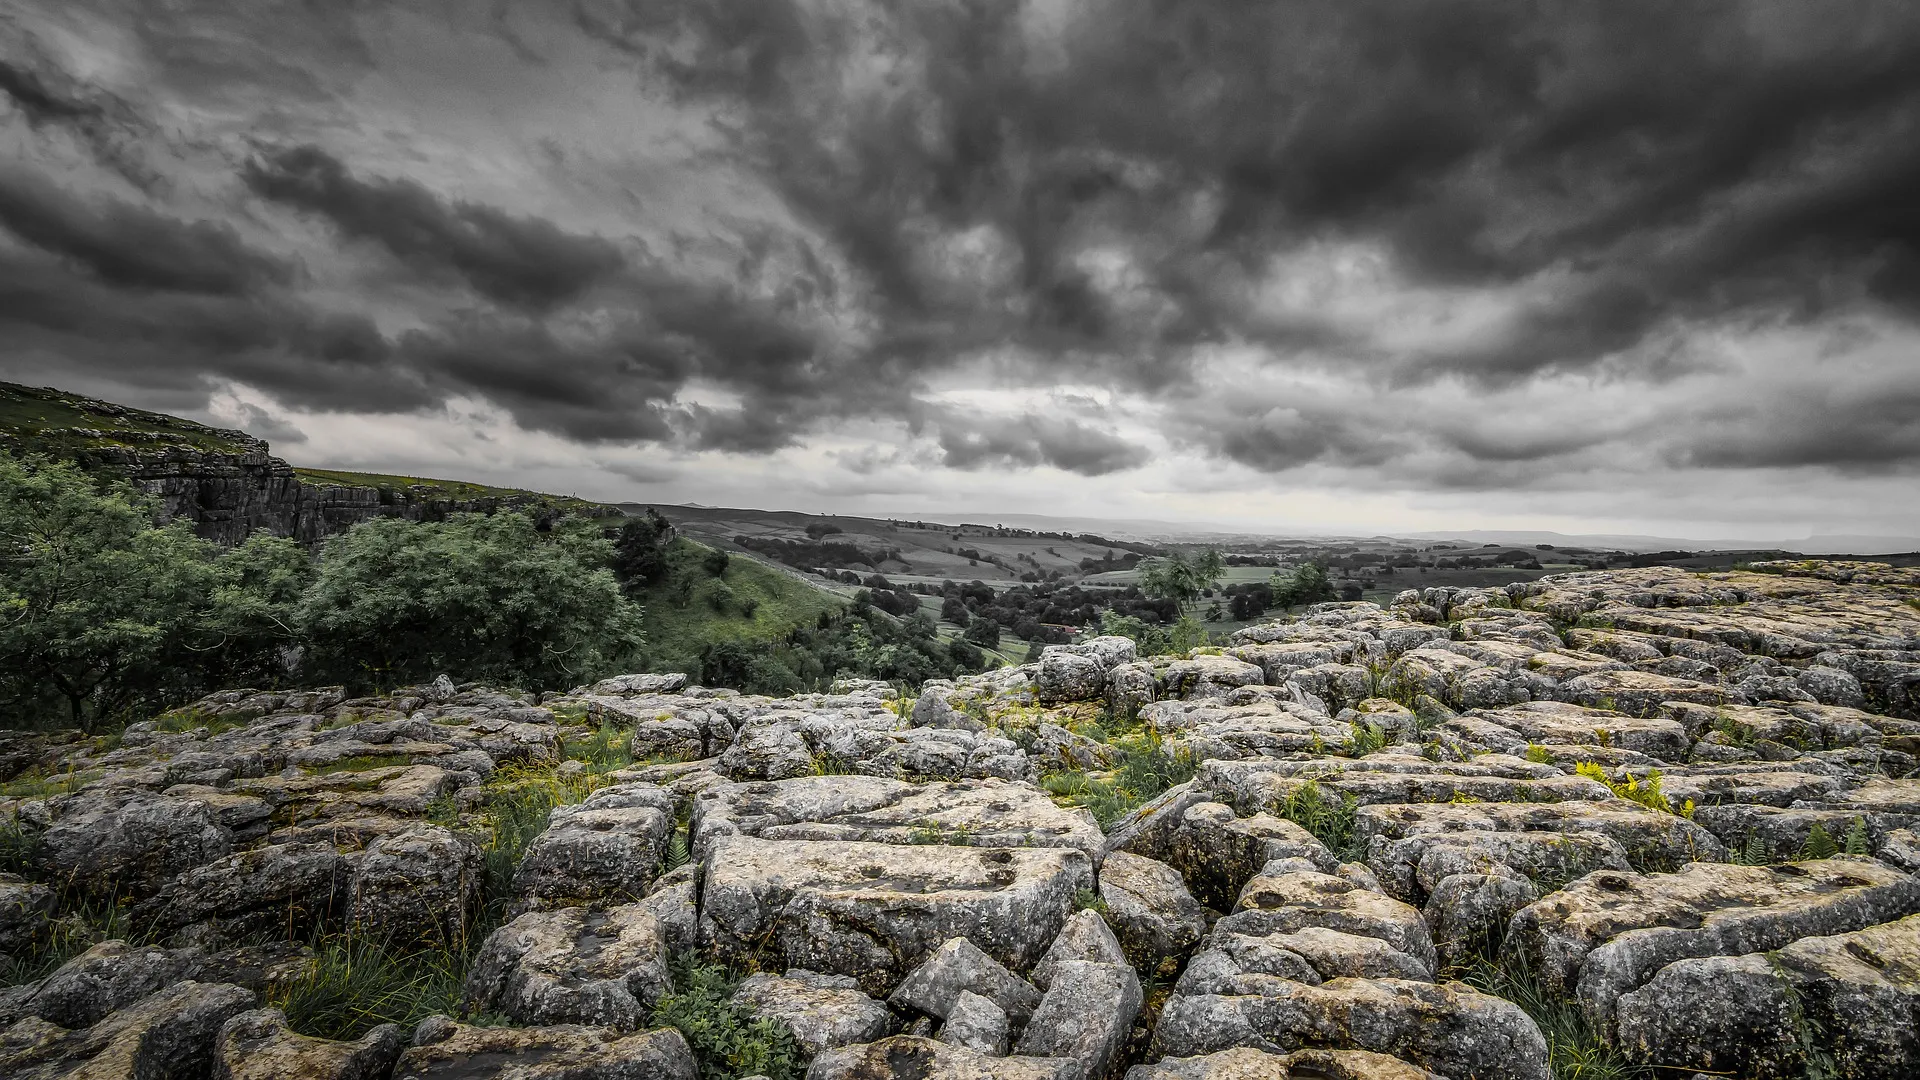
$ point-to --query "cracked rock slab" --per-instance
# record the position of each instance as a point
(873, 911)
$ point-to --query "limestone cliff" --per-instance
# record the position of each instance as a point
(226, 482)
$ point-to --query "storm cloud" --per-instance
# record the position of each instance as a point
(1454, 247)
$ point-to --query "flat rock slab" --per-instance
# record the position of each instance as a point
(980, 813)
(1449, 1029)
(822, 1011)
(1412, 867)
(1609, 933)
(573, 966)
(258, 1045)
(1648, 837)
(1246, 1063)
(1299, 900)
(873, 911)
(1852, 996)
(926, 1059)
(1561, 722)
(168, 1034)
(444, 1050)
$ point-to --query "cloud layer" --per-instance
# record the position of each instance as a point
(1621, 265)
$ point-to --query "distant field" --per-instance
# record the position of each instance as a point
(676, 631)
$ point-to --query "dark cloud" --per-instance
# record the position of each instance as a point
(1105, 194)
(976, 442)
(131, 246)
(519, 261)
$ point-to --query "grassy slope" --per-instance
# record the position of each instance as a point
(44, 419)
(675, 632)
(427, 487)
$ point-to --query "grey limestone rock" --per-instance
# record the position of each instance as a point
(573, 966)
(167, 1035)
(1085, 1017)
(603, 850)
(1086, 936)
(1150, 909)
(976, 1023)
(822, 1011)
(257, 1045)
(959, 965)
(927, 1059)
(444, 1050)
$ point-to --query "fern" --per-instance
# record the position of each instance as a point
(1857, 843)
(1819, 844)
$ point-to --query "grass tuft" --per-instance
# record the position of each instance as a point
(355, 985)
(728, 1041)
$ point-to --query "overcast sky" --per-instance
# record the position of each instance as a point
(1602, 266)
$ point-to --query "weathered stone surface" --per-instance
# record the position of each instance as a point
(1150, 909)
(1647, 837)
(874, 910)
(1609, 933)
(822, 1011)
(168, 1035)
(1850, 998)
(112, 840)
(257, 1045)
(573, 966)
(82, 991)
(1299, 899)
(1232, 962)
(976, 1023)
(927, 1059)
(1448, 1029)
(936, 983)
(1086, 936)
(1245, 1063)
(444, 1050)
(26, 914)
(979, 813)
(1642, 693)
(294, 888)
(1084, 1017)
(416, 885)
(1559, 722)
(603, 850)
(1214, 850)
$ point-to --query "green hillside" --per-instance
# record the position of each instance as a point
(686, 609)
(397, 488)
(53, 421)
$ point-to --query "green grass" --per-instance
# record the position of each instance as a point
(1145, 769)
(85, 923)
(1574, 1052)
(678, 626)
(1329, 816)
(356, 985)
(425, 487)
(37, 784)
(42, 420)
(728, 1041)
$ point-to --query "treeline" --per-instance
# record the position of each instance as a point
(106, 616)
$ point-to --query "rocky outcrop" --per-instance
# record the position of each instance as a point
(1679, 807)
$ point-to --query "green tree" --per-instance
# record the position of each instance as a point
(104, 616)
(488, 598)
(1308, 584)
(1180, 578)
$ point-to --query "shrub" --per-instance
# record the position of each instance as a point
(492, 598)
(727, 1040)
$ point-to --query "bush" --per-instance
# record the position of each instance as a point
(491, 598)
(727, 1040)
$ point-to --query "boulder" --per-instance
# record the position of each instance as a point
(1241, 963)
(874, 910)
(84, 990)
(573, 966)
(288, 889)
(1448, 1029)
(444, 1050)
(1609, 933)
(257, 1045)
(927, 1059)
(822, 1011)
(168, 1035)
(1245, 1063)
(1086, 936)
(124, 840)
(1150, 909)
(1293, 899)
(957, 966)
(976, 1023)
(1066, 675)
(932, 710)
(1085, 1017)
(416, 885)
(604, 850)
(1844, 1004)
